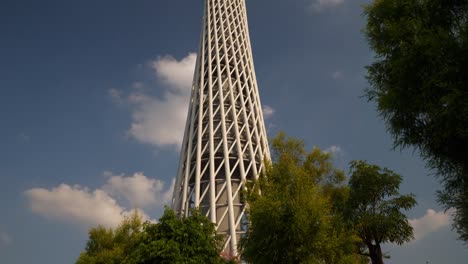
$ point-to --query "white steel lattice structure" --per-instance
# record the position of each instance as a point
(225, 141)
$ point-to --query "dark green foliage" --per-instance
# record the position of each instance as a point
(108, 246)
(172, 240)
(295, 218)
(374, 209)
(420, 84)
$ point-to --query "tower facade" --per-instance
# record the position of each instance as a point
(225, 140)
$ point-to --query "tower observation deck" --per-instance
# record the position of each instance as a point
(225, 140)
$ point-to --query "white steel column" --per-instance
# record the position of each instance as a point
(225, 141)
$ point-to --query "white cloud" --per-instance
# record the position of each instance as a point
(430, 222)
(167, 195)
(5, 239)
(87, 207)
(319, 5)
(268, 111)
(138, 189)
(77, 204)
(334, 150)
(161, 120)
(116, 96)
(177, 74)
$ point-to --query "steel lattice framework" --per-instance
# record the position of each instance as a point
(225, 141)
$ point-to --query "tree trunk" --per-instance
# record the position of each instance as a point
(375, 253)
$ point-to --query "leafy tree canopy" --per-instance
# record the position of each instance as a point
(374, 209)
(419, 81)
(172, 240)
(108, 246)
(292, 210)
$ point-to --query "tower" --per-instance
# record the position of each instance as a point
(225, 140)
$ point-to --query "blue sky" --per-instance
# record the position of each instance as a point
(94, 96)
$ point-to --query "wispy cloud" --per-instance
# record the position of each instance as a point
(334, 150)
(268, 111)
(319, 5)
(337, 75)
(430, 222)
(101, 206)
(160, 120)
(22, 137)
(115, 94)
(137, 85)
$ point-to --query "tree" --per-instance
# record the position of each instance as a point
(173, 240)
(112, 246)
(419, 82)
(374, 209)
(291, 210)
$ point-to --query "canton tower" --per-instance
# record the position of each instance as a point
(225, 140)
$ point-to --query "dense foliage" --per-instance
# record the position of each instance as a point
(172, 240)
(293, 210)
(302, 211)
(112, 246)
(420, 84)
(374, 209)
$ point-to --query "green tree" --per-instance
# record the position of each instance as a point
(291, 210)
(374, 209)
(179, 240)
(113, 246)
(419, 82)
(172, 240)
